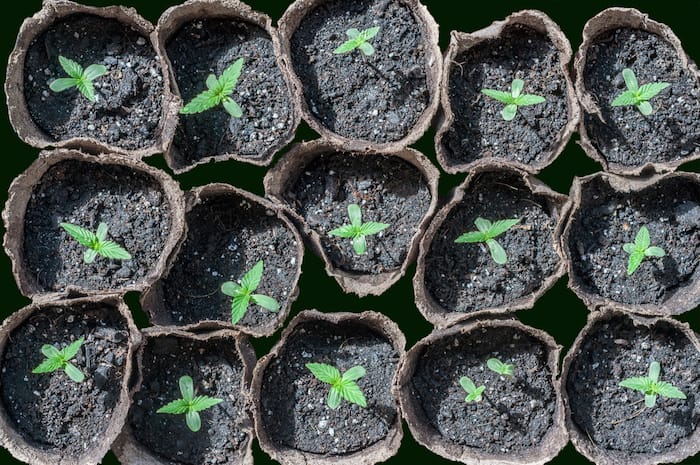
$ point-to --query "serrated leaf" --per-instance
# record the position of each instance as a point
(369, 33)
(74, 373)
(509, 112)
(648, 91)
(504, 97)
(497, 252)
(372, 227)
(626, 98)
(359, 244)
(204, 101)
(89, 256)
(354, 373)
(87, 89)
(471, 237)
(101, 233)
(194, 422)
(176, 407)
(351, 392)
(92, 72)
(516, 88)
(346, 47)
(229, 78)
(654, 251)
(239, 307)
(334, 398)
(355, 214)
(48, 365)
(501, 226)
(529, 99)
(326, 373)
(266, 302)
(483, 225)
(231, 289)
(366, 48)
(634, 261)
(72, 68)
(186, 388)
(642, 240)
(111, 249)
(251, 280)
(83, 236)
(346, 231)
(50, 351)
(638, 383)
(203, 402)
(668, 390)
(630, 79)
(72, 349)
(232, 108)
(654, 371)
(645, 108)
(61, 84)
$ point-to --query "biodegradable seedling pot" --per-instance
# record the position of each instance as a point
(220, 364)
(608, 211)
(134, 114)
(142, 206)
(520, 420)
(228, 232)
(385, 101)
(203, 37)
(47, 418)
(609, 423)
(318, 180)
(527, 45)
(620, 138)
(456, 281)
(293, 422)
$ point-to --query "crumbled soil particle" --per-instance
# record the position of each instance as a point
(129, 102)
(294, 410)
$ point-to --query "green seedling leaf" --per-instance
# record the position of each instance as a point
(636, 95)
(357, 231)
(474, 393)
(503, 369)
(641, 249)
(513, 99)
(651, 387)
(218, 92)
(79, 78)
(59, 359)
(358, 39)
(243, 294)
(189, 404)
(96, 243)
(342, 386)
(487, 232)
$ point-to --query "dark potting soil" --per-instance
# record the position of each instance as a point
(478, 130)
(377, 98)
(513, 415)
(207, 46)
(614, 417)
(129, 102)
(227, 236)
(294, 410)
(131, 203)
(50, 410)
(216, 371)
(463, 277)
(387, 189)
(625, 136)
(607, 220)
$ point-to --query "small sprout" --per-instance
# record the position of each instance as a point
(651, 387)
(243, 294)
(96, 243)
(640, 250)
(503, 369)
(189, 404)
(79, 78)
(342, 387)
(358, 39)
(487, 232)
(357, 230)
(218, 92)
(56, 359)
(638, 95)
(473, 393)
(513, 99)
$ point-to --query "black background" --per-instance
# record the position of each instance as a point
(559, 312)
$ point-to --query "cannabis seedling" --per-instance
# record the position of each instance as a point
(189, 404)
(218, 92)
(503, 369)
(637, 95)
(243, 294)
(342, 387)
(487, 232)
(474, 393)
(56, 359)
(358, 39)
(357, 230)
(96, 243)
(513, 99)
(79, 78)
(651, 387)
(640, 250)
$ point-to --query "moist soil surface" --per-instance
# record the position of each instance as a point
(514, 414)
(387, 189)
(294, 410)
(49, 410)
(607, 220)
(209, 46)
(129, 102)
(478, 130)
(625, 136)
(463, 277)
(227, 236)
(130, 202)
(216, 371)
(614, 417)
(378, 98)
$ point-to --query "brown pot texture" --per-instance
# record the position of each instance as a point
(329, 338)
(447, 287)
(52, 179)
(105, 322)
(54, 12)
(333, 120)
(608, 423)
(463, 350)
(548, 77)
(636, 144)
(263, 70)
(245, 237)
(357, 183)
(607, 211)
(221, 354)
